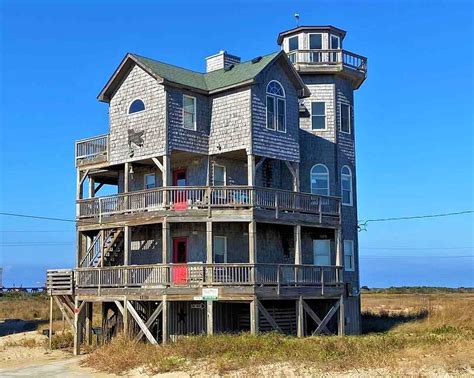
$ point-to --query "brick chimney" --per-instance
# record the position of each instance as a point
(220, 60)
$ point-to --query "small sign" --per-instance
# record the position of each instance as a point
(210, 294)
(198, 298)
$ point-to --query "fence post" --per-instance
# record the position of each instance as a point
(276, 205)
(320, 210)
(322, 280)
(100, 210)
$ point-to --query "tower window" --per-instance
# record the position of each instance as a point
(345, 118)
(276, 107)
(293, 43)
(189, 112)
(315, 41)
(318, 115)
(346, 185)
(320, 180)
(136, 106)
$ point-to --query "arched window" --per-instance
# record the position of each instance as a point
(136, 106)
(346, 185)
(276, 107)
(320, 180)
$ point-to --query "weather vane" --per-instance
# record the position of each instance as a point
(297, 16)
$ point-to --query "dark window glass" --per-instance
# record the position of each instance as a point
(345, 118)
(281, 115)
(318, 115)
(293, 43)
(315, 41)
(136, 106)
(270, 113)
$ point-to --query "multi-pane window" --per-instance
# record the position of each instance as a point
(220, 249)
(346, 185)
(345, 118)
(150, 181)
(276, 107)
(293, 43)
(219, 175)
(315, 41)
(318, 115)
(189, 112)
(322, 252)
(136, 106)
(348, 254)
(320, 180)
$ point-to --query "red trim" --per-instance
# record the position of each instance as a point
(176, 172)
(175, 249)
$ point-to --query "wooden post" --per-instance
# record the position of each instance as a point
(77, 328)
(209, 240)
(210, 318)
(339, 255)
(89, 307)
(166, 240)
(300, 314)
(298, 256)
(50, 320)
(126, 178)
(91, 187)
(341, 329)
(127, 239)
(165, 320)
(254, 317)
(166, 177)
(125, 317)
(253, 242)
(250, 170)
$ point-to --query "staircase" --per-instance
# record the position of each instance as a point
(110, 248)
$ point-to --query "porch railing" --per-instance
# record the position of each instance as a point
(327, 57)
(193, 198)
(92, 150)
(149, 276)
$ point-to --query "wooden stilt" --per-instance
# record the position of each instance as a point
(50, 320)
(165, 320)
(300, 320)
(254, 317)
(89, 307)
(210, 318)
(77, 328)
(341, 329)
(125, 318)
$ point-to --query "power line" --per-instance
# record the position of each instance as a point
(35, 231)
(416, 248)
(417, 216)
(421, 257)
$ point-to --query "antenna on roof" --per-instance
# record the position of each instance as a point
(297, 16)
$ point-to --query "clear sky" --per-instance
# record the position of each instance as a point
(414, 115)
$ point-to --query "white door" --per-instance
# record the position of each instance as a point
(322, 252)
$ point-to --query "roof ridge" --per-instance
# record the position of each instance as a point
(167, 64)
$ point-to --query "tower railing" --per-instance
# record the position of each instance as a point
(329, 57)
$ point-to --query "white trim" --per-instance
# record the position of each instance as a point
(284, 119)
(311, 178)
(275, 98)
(349, 118)
(309, 41)
(330, 41)
(144, 179)
(214, 247)
(298, 39)
(325, 115)
(130, 104)
(194, 112)
(351, 242)
(349, 177)
(273, 94)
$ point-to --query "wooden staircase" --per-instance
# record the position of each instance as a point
(106, 246)
(113, 245)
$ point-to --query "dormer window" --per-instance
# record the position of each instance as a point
(136, 106)
(276, 107)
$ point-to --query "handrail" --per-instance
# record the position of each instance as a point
(329, 57)
(90, 150)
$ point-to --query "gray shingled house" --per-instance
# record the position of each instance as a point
(222, 201)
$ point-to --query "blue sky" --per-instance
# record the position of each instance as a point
(414, 116)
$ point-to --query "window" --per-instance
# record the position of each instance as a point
(346, 185)
(349, 255)
(189, 112)
(322, 252)
(320, 180)
(335, 42)
(220, 249)
(276, 107)
(293, 43)
(136, 106)
(315, 42)
(345, 118)
(318, 115)
(150, 181)
(219, 175)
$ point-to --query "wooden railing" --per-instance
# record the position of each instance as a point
(60, 281)
(325, 57)
(149, 276)
(92, 150)
(189, 198)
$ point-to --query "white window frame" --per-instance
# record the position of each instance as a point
(349, 109)
(311, 179)
(347, 177)
(225, 247)
(330, 41)
(309, 41)
(130, 104)
(325, 116)
(194, 113)
(328, 243)
(351, 242)
(275, 98)
(145, 182)
(214, 174)
(298, 39)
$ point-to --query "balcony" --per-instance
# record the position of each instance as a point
(330, 61)
(92, 151)
(181, 200)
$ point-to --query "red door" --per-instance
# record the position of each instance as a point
(180, 258)
(180, 199)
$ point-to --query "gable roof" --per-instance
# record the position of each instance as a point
(207, 83)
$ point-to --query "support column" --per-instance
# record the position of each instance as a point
(339, 254)
(300, 314)
(210, 318)
(91, 187)
(166, 170)
(125, 318)
(298, 256)
(127, 239)
(51, 320)
(296, 178)
(89, 307)
(164, 314)
(253, 242)
(77, 328)
(126, 178)
(254, 317)
(209, 242)
(250, 170)
(166, 242)
(341, 326)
